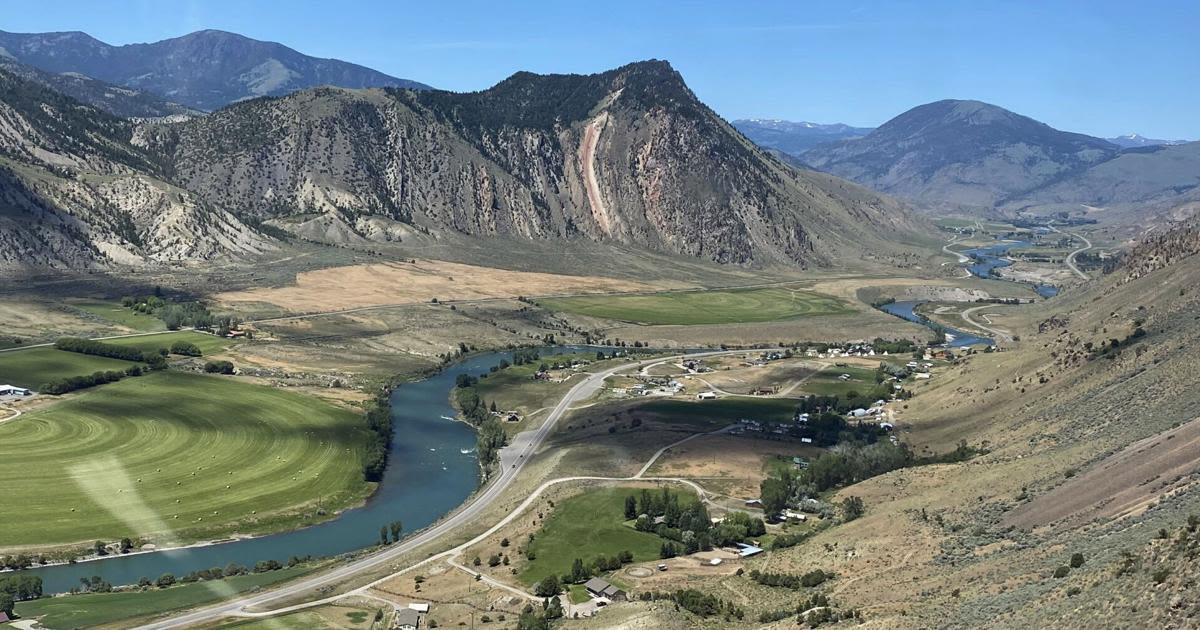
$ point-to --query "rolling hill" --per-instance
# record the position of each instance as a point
(960, 154)
(204, 70)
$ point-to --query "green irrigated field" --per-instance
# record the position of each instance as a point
(589, 525)
(94, 609)
(182, 457)
(148, 343)
(723, 411)
(117, 314)
(36, 366)
(703, 307)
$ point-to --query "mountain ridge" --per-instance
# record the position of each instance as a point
(204, 70)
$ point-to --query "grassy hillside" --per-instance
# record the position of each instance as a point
(177, 458)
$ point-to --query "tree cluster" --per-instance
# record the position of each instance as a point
(698, 603)
(219, 367)
(813, 578)
(72, 383)
(379, 424)
(99, 348)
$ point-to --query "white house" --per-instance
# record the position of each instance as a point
(706, 396)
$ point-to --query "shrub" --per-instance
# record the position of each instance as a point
(218, 367)
(1076, 560)
(185, 349)
(1062, 571)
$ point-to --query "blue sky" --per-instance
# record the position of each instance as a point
(1103, 68)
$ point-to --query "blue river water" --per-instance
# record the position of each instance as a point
(985, 259)
(432, 469)
(957, 338)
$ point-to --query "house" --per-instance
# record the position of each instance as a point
(753, 503)
(886, 426)
(843, 377)
(921, 375)
(421, 608)
(715, 562)
(12, 390)
(746, 551)
(859, 413)
(662, 567)
(407, 619)
(788, 515)
(598, 587)
(706, 396)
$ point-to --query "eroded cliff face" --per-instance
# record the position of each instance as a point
(628, 156)
(74, 193)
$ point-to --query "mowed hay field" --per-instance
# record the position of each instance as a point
(176, 457)
(149, 343)
(703, 307)
(34, 367)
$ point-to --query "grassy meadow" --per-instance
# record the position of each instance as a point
(182, 457)
(723, 411)
(589, 525)
(703, 307)
(148, 343)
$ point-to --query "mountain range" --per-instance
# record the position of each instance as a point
(204, 70)
(967, 155)
(628, 156)
(794, 138)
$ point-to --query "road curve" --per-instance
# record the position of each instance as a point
(1071, 257)
(966, 316)
(512, 459)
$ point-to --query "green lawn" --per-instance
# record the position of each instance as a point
(827, 383)
(182, 456)
(36, 366)
(703, 307)
(113, 311)
(723, 411)
(84, 611)
(207, 343)
(586, 526)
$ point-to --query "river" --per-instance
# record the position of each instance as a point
(432, 469)
(954, 338)
(985, 259)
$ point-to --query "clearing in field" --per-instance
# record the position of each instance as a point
(589, 525)
(703, 307)
(379, 284)
(734, 466)
(175, 458)
(35, 367)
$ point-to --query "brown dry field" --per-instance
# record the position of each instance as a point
(378, 284)
(34, 319)
(736, 461)
(454, 595)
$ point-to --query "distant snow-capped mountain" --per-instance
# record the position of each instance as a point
(795, 137)
(1135, 140)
